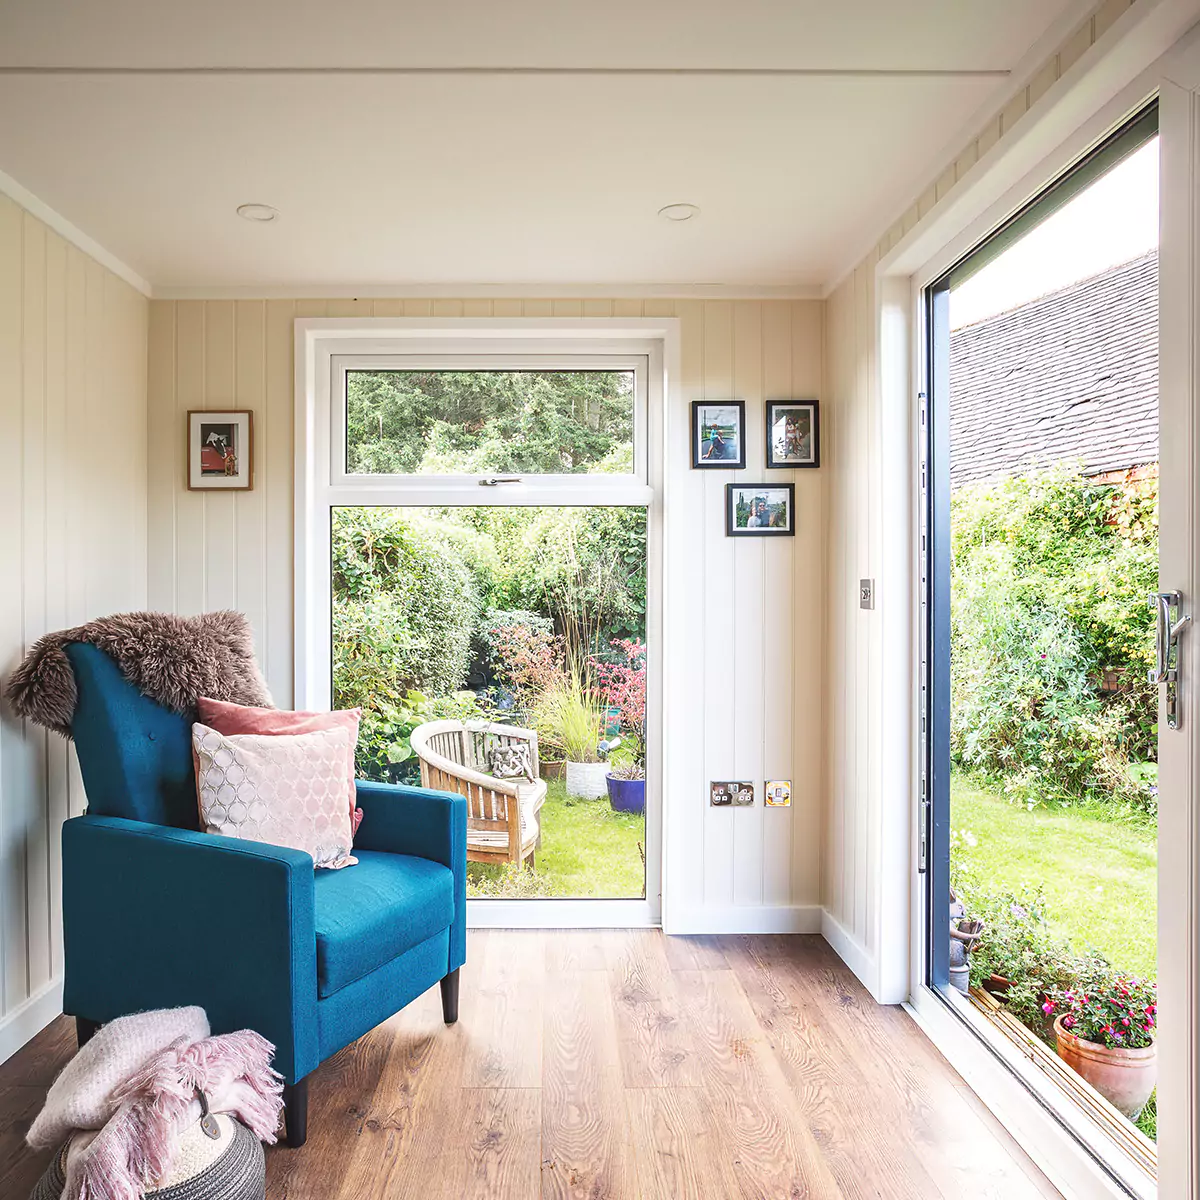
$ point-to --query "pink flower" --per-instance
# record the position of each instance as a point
(1048, 1007)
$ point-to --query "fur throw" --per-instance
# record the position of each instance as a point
(172, 660)
(128, 1095)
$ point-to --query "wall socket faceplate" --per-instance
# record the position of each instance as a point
(866, 593)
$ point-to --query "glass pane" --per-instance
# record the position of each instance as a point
(486, 422)
(1053, 737)
(452, 626)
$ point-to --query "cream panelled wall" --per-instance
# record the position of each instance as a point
(852, 422)
(72, 546)
(759, 665)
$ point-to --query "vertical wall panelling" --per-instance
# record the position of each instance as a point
(759, 663)
(752, 635)
(72, 546)
(720, 621)
(854, 822)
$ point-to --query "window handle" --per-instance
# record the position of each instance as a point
(494, 480)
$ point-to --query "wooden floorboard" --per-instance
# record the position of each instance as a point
(622, 1065)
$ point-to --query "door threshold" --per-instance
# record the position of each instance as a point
(501, 913)
(1074, 1145)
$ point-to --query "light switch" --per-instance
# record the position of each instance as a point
(866, 593)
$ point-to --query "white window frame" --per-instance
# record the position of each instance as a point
(325, 349)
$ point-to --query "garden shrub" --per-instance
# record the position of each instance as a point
(1049, 580)
(404, 611)
(385, 753)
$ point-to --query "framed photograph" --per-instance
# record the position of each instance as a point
(793, 434)
(760, 510)
(719, 434)
(724, 792)
(778, 793)
(220, 450)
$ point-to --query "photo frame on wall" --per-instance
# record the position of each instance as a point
(220, 450)
(760, 510)
(793, 434)
(719, 434)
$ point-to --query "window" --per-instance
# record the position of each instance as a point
(479, 510)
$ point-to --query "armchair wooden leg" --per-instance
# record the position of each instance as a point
(295, 1109)
(450, 997)
(85, 1030)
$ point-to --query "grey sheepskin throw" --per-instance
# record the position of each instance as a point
(172, 660)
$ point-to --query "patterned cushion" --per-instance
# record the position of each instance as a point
(511, 760)
(232, 719)
(285, 789)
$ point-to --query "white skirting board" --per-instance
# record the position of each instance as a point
(29, 1018)
(799, 918)
(851, 951)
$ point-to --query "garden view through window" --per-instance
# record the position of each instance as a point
(499, 650)
(1053, 469)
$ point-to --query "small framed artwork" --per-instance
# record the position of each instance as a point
(724, 792)
(793, 434)
(221, 450)
(778, 793)
(719, 434)
(760, 510)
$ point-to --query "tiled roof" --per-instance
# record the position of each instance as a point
(1072, 375)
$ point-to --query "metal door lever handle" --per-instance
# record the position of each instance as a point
(1170, 624)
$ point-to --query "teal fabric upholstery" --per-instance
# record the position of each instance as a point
(157, 914)
(368, 914)
(433, 825)
(135, 755)
(363, 1004)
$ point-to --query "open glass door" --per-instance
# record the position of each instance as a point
(1042, 545)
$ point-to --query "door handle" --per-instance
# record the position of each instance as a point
(1171, 622)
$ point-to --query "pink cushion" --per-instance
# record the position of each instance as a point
(285, 789)
(234, 719)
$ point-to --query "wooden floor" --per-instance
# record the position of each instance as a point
(601, 1065)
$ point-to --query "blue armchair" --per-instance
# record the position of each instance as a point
(158, 914)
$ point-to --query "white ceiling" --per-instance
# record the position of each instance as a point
(495, 177)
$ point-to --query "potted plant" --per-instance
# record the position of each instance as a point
(570, 716)
(627, 787)
(1105, 1030)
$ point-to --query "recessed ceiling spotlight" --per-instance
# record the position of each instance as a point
(262, 213)
(679, 212)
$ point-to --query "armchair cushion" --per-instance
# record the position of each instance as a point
(385, 906)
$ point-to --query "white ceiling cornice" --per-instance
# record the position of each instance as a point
(72, 233)
(499, 291)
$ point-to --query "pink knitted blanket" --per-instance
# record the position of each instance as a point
(125, 1098)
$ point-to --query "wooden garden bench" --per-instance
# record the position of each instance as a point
(502, 813)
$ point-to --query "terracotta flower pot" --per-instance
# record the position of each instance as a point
(1125, 1078)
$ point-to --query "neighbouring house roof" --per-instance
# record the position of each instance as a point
(1070, 376)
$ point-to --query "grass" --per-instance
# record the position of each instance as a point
(587, 851)
(1099, 877)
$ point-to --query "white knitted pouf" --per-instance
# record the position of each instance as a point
(231, 1167)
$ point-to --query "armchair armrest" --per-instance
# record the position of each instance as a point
(155, 917)
(410, 820)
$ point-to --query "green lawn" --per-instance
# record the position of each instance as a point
(1099, 877)
(587, 851)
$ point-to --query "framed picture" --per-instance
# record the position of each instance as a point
(793, 434)
(719, 434)
(220, 450)
(760, 510)
(778, 793)
(724, 792)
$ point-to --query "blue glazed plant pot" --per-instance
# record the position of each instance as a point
(626, 795)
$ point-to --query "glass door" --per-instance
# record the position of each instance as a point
(1042, 549)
